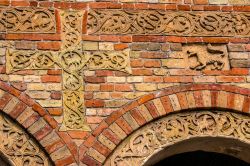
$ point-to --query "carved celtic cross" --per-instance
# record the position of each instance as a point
(72, 60)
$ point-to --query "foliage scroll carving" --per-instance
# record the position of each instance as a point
(173, 128)
(168, 23)
(27, 20)
(18, 147)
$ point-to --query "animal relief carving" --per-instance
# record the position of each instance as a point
(213, 58)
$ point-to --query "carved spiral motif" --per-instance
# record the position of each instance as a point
(18, 146)
(173, 128)
(168, 23)
(27, 20)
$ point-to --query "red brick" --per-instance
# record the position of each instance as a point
(4, 2)
(230, 79)
(226, 8)
(90, 38)
(124, 125)
(214, 98)
(107, 87)
(54, 72)
(94, 79)
(51, 78)
(20, 3)
(103, 125)
(65, 161)
(101, 148)
(142, 72)
(156, 6)
(176, 39)
(153, 79)
(182, 100)
(241, 8)
(4, 100)
(18, 109)
(94, 103)
(212, 8)
(141, 6)
(171, 7)
(215, 39)
(136, 63)
(148, 38)
(36, 107)
(120, 46)
(246, 104)
(90, 161)
(111, 5)
(90, 141)
(39, 135)
(153, 55)
(166, 104)
(51, 121)
(19, 85)
(100, 73)
(97, 5)
(53, 147)
(230, 100)
(109, 38)
(200, 2)
(111, 136)
(198, 99)
(152, 63)
(32, 119)
(152, 109)
(78, 134)
(138, 117)
(184, 7)
(126, 39)
(48, 45)
(178, 79)
(123, 87)
(55, 111)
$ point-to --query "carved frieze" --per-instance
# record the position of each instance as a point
(137, 148)
(18, 147)
(70, 61)
(23, 59)
(199, 57)
(141, 22)
(27, 20)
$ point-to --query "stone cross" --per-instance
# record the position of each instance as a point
(72, 60)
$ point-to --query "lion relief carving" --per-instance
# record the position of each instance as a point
(212, 57)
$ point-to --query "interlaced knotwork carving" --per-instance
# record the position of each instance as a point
(24, 20)
(72, 60)
(168, 23)
(18, 147)
(174, 128)
(23, 59)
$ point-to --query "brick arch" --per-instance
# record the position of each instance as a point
(38, 123)
(120, 124)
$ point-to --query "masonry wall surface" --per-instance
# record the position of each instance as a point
(128, 52)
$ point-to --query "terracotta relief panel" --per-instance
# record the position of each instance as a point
(199, 57)
(168, 23)
(18, 147)
(27, 20)
(137, 148)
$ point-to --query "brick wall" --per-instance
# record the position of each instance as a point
(158, 60)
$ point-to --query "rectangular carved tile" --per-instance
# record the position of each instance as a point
(27, 20)
(199, 57)
(168, 23)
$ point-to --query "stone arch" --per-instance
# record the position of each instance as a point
(120, 124)
(36, 122)
(217, 131)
